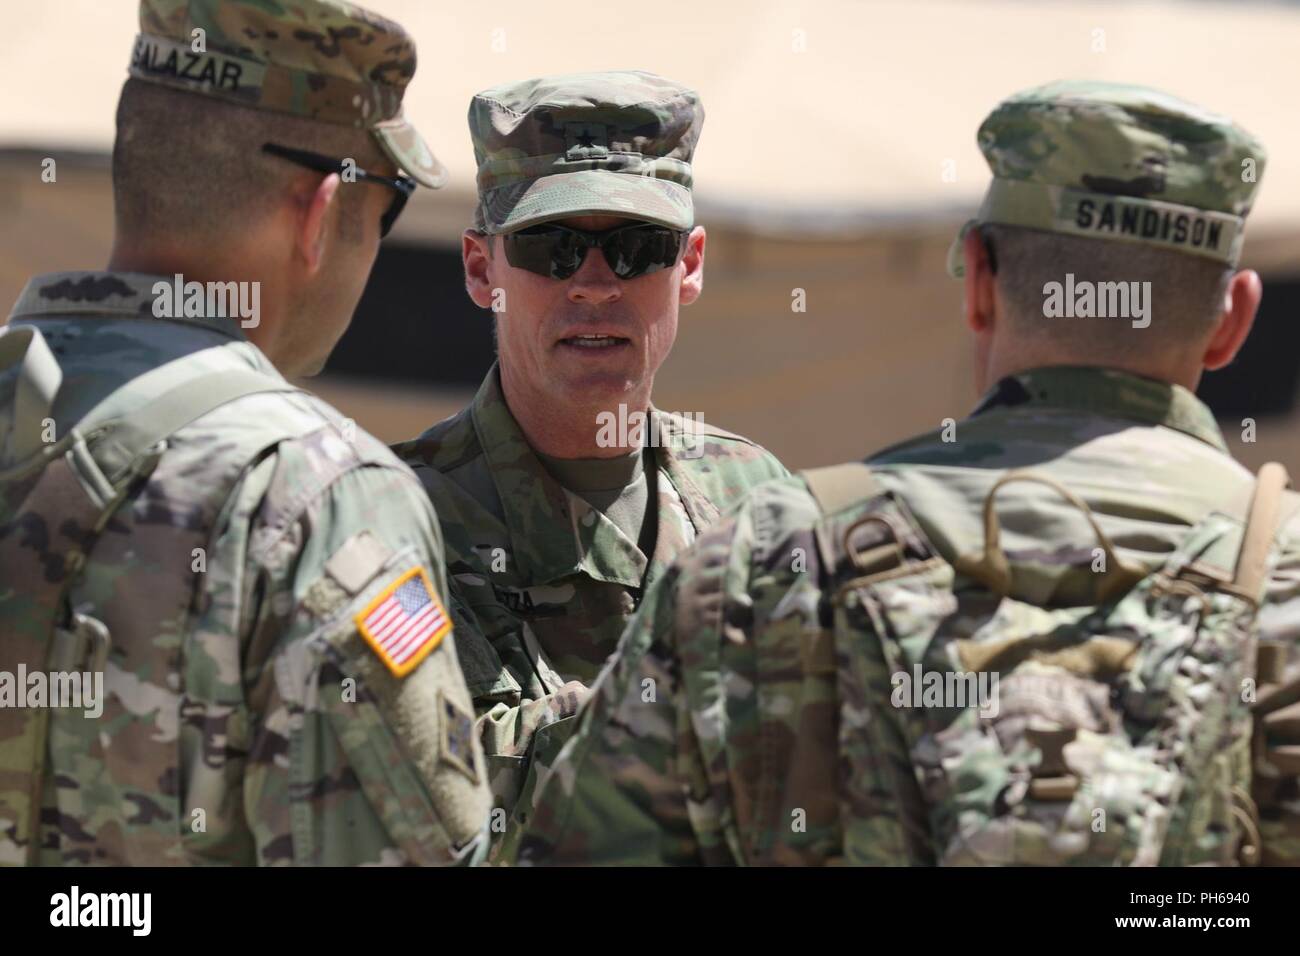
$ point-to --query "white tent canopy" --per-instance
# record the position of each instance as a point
(817, 111)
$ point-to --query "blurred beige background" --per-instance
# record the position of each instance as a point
(838, 157)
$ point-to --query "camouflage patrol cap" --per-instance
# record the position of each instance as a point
(616, 143)
(326, 60)
(1115, 161)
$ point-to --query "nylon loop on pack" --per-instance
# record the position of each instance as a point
(991, 567)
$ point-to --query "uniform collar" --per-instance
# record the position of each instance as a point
(553, 533)
(124, 295)
(1107, 392)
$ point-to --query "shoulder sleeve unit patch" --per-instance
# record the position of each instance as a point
(457, 746)
(404, 622)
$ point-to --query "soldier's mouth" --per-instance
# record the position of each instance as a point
(595, 342)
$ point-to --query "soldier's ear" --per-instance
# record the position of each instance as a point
(476, 254)
(693, 266)
(1240, 303)
(313, 222)
(977, 281)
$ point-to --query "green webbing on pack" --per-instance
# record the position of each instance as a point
(39, 377)
(125, 439)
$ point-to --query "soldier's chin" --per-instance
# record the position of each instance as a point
(589, 386)
(310, 368)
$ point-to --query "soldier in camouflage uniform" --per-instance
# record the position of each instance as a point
(562, 491)
(763, 705)
(259, 589)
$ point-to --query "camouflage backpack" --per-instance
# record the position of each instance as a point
(55, 500)
(1118, 733)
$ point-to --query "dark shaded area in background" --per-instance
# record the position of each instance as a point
(415, 324)
(1265, 378)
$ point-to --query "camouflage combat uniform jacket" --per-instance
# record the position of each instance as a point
(678, 760)
(542, 584)
(245, 720)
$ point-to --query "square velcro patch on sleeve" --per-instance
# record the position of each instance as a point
(457, 746)
(404, 622)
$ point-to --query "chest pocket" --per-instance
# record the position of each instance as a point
(540, 637)
(577, 626)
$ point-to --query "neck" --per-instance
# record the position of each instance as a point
(131, 257)
(208, 266)
(599, 429)
(1001, 363)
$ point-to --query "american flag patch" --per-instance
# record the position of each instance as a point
(405, 622)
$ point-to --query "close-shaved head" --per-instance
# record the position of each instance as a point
(190, 165)
(195, 194)
(1187, 290)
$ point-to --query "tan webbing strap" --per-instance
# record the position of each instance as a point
(39, 378)
(838, 486)
(126, 439)
(1261, 528)
(1262, 521)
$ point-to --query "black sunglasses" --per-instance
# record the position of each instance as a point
(402, 186)
(557, 252)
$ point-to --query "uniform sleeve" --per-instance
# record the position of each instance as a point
(509, 731)
(705, 740)
(514, 729)
(635, 785)
(616, 794)
(357, 724)
(506, 726)
(778, 470)
(1276, 779)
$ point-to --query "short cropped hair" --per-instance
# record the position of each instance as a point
(189, 164)
(1186, 291)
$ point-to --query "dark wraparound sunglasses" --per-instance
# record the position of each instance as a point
(557, 252)
(402, 186)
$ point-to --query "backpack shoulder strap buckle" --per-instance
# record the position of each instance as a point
(877, 544)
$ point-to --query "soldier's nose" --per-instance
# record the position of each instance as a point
(595, 281)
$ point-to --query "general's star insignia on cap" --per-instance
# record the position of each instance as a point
(404, 622)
